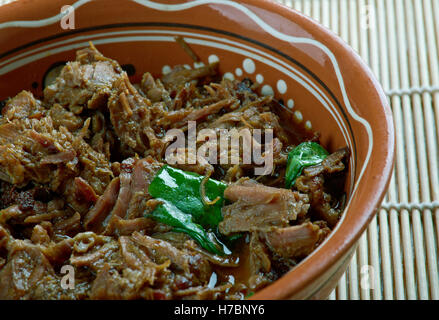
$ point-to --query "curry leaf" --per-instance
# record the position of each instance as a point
(182, 189)
(169, 214)
(304, 155)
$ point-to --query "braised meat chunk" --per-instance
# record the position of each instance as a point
(33, 150)
(84, 83)
(130, 116)
(258, 207)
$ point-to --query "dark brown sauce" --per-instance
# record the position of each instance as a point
(240, 274)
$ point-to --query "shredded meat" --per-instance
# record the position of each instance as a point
(22, 106)
(196, 268)
(84, 83)
(155, 90)
(124, 199)
(25, 270)
(179, 76)
(259, 207)
(130, 116)
(295, 241)
(312, 182)
(33, 150)
(65, 118)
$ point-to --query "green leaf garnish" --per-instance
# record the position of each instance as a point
(304, 155)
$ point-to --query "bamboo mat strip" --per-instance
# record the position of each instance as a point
(399, 40)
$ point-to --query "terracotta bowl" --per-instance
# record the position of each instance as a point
(325, 84)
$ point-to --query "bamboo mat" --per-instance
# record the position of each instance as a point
(399, 40)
